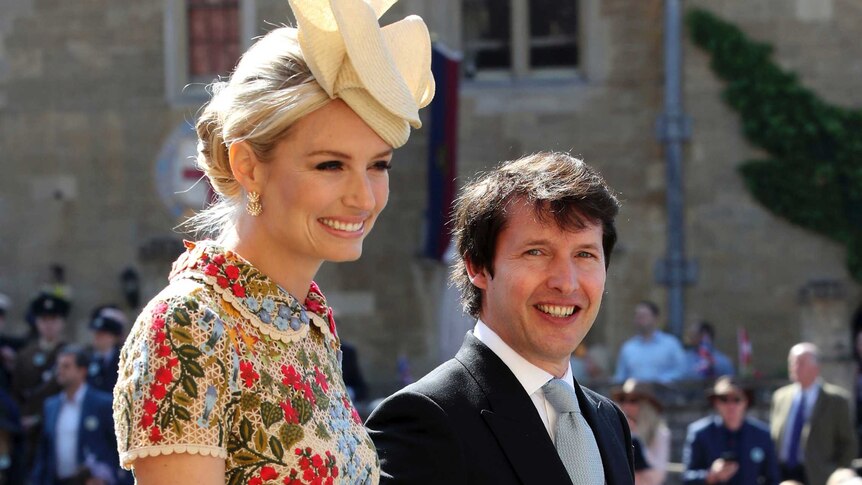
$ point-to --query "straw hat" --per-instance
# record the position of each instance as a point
(636, 389)
(383, 74)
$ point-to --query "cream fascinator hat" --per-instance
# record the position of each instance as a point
(383, 74)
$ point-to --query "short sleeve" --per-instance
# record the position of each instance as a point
(174, 380)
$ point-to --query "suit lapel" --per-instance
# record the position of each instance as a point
(607, 438)
(512, 417)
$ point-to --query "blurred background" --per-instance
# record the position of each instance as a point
(97, 99)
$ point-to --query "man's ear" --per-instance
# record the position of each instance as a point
(246, 168)
(478, 277)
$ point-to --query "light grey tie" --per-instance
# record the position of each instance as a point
(575, 442)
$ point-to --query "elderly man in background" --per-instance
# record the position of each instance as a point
(810, 421)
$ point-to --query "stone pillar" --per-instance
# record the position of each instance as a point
(825, 322)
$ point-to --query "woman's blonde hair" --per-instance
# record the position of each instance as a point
(271, 88)
(649, 421)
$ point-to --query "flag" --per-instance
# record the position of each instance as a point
(745, 369)
(442, 150)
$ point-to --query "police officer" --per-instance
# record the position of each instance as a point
(107, 325)
(33, 377)
(729, 447)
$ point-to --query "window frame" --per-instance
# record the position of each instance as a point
(180, 89)
(520, 68)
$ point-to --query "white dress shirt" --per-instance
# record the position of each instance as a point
(66, 433)
(810, 400)
(531, 377)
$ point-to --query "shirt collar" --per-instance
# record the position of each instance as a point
(78, 398)
(531, 377)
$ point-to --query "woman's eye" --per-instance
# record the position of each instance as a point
(382, 165)
(330, 165)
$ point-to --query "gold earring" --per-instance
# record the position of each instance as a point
(253, 206)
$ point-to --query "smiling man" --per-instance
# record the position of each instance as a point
(535, 238)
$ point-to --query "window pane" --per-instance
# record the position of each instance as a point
(487, 35)
(213, 37)
(553, 33)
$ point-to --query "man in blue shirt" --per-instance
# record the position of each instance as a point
(651, 355)
(703, 359)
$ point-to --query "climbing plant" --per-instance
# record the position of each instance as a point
(813, 174)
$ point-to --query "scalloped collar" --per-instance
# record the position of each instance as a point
(259, 299)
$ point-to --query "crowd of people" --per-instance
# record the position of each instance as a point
(56, 397)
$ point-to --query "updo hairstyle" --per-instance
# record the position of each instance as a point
(271, 88)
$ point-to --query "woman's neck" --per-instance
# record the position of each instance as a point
(290, 271)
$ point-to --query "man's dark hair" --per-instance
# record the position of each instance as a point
(82, 357)
(707, 328)
(560, 188)
(653, 307)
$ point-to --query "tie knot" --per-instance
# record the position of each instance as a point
(561, 396)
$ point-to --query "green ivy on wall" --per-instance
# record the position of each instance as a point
(813, 177)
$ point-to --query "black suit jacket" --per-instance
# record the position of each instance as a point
(470, 422)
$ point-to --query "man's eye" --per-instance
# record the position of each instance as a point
(534, 252)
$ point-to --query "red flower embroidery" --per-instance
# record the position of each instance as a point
(218, 259)
(255, 481)
(150, 406)
(164, 375)
(232, 272)
(268, 473)
(205, 258)
(331, 319)
(290, 414)
(146, 420)
(163, 350)
(222, 281)
(172, 362)
(155, 434)
(291, 377)
(160, 308)
(238, 290)
(158, 391)
(158, 323)
(247, 373)
(320, 378)
(211, 269)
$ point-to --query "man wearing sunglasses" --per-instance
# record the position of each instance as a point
(729, 447)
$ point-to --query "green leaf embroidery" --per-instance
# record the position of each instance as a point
(236, 477)
(303, 409)
(270, 413)
(189, 352)
(193, 368)
(182, 317)
(275, 446)
(190, 386)
(322, 432)
(260, 440)
(181, 335)
(245, 430)
(244, 458)
(290, 434)
(182, 413)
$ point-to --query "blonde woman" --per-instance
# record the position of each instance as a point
(643, 410)
(231, 374)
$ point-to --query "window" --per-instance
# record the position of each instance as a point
(213, 38)
(520, 38)
(203, 40)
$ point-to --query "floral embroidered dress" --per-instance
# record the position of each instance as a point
(225, 363)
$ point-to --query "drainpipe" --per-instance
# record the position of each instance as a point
(674, 128)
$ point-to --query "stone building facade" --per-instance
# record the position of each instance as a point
(92, 92)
